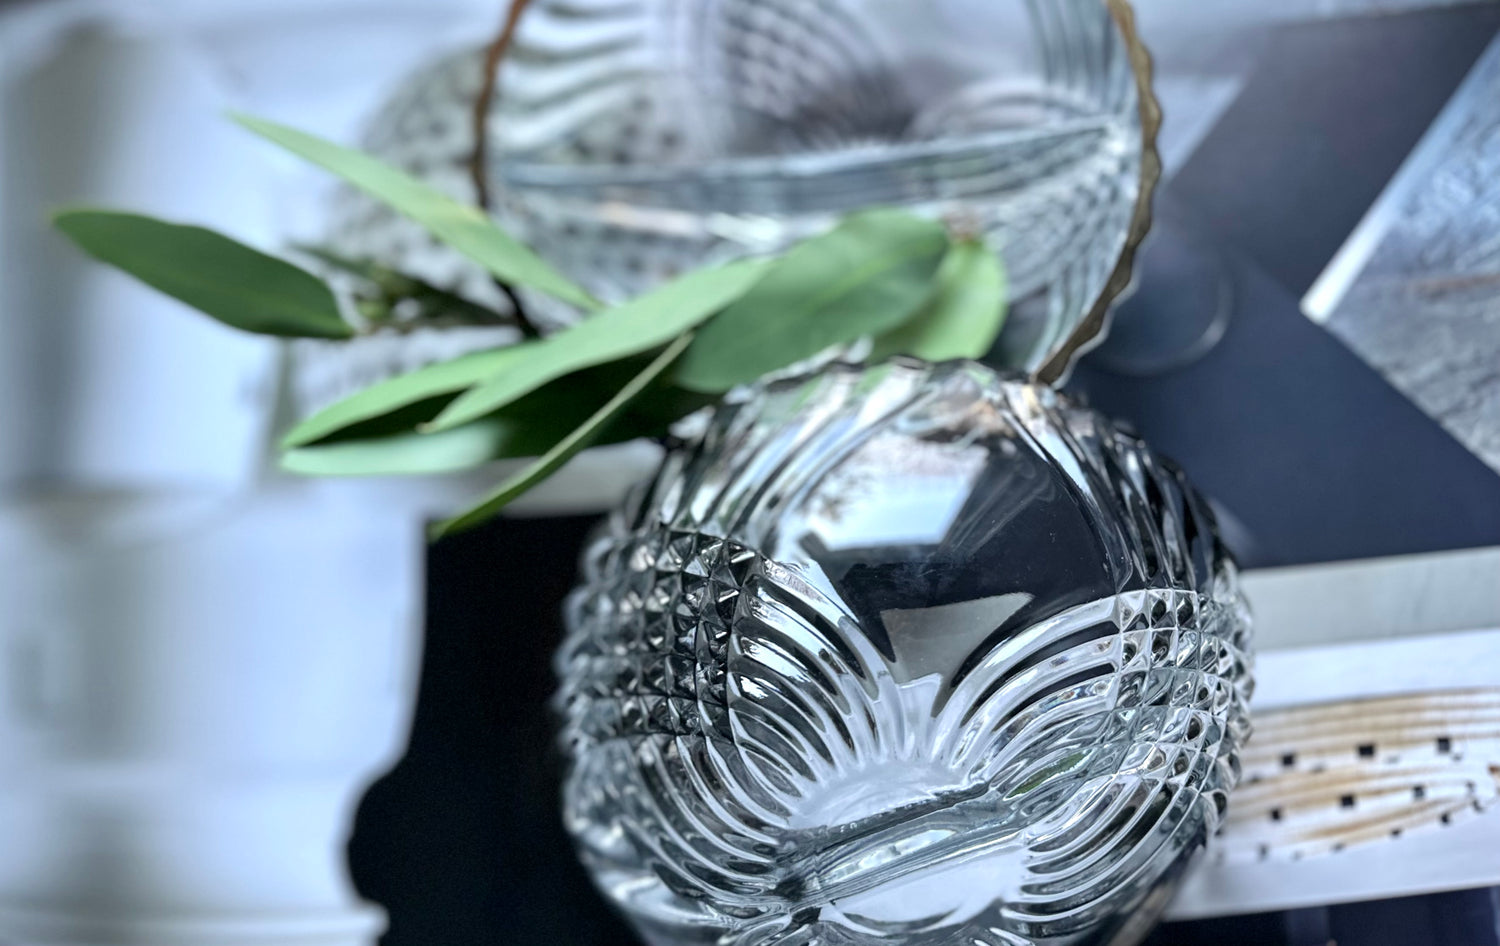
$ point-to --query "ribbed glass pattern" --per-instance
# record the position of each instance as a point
(635, 139)
(911, 654)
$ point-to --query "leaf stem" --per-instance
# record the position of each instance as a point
(518, 311)
(479, 158)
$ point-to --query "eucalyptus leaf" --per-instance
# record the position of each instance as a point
(436, 305)
(565, 449)
(390, 445)
(385, 278)
(406, 454)
(223, 279)
(965, 316)
(644, 323)
(864, 277)
(465, 228)
(402, 391)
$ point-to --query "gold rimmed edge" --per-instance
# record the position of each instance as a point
(1092, 329)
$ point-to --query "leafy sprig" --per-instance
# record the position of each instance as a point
(619, 373)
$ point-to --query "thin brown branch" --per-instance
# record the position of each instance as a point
(494, 54)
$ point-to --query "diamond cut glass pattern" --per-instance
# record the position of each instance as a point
(909, 654)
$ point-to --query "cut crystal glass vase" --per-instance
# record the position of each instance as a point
(633, 141)
(918, 655)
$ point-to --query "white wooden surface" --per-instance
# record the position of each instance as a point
(1351, 631)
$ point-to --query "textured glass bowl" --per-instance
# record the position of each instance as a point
(632, 141)
(911, 655)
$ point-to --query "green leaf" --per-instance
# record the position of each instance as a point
(644, 323)
(866, 276)
(219, 277)
(431, 381)
(963, 319)
(408, 453)
(435, 304)
(564, 450)
(390, 445)
(388, 280)
(465, 228)
(514, 371)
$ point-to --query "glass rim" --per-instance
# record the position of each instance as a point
(1088, 332)
(1091, 330)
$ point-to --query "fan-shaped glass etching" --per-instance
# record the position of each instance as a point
(908, 654)
(633, 141)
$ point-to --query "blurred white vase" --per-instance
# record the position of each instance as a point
(202, 666)
(196, 693)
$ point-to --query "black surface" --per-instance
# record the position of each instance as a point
(1329, 114)
(1310, 450)
(1460, 918)
(1307, 449)
(462, 843)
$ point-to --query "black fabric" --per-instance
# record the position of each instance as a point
(1309, 450)
(1459, 918)
(462, 842)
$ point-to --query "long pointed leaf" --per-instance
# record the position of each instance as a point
(583, 436)
(866, 276)
(223, 279)
(435, 380)
(644, 323)
(434, 302)
(525, 429)
(465, 228)
(389, 444)
(407, 454)
(963, 319)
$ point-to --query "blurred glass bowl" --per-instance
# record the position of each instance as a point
(630, 142)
